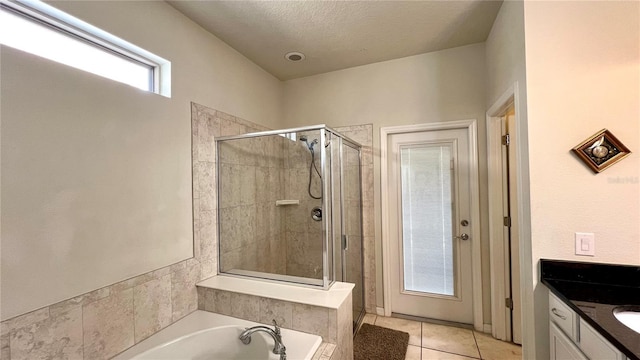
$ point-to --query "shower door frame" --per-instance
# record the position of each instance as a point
(327, 279)
(356, 146)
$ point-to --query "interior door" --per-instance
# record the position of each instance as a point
(512, 227)
(429, 207)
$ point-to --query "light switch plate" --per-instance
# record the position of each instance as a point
(585, 244)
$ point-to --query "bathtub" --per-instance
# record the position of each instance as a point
(205, 335)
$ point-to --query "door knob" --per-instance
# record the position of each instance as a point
(463, 237)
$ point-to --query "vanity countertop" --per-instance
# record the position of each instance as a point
(593, 291)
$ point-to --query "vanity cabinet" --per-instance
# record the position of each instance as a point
(563, 348)
(595, 346)
(572, 338)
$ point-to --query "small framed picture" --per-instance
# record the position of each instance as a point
(601, 150)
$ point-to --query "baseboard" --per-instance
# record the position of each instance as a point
(487, 329)
(380, 311)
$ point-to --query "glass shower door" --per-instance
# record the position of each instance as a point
(352, 226)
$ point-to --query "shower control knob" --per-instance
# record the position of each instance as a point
(463, 237)
(316, 213)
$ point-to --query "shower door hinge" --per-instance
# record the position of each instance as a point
(508, 303)
(506, 140)
(345, 242)
(507, 221)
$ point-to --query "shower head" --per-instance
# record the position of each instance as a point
(304, 139)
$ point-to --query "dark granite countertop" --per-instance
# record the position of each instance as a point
(593, 291)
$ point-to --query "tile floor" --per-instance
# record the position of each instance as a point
(438, 342)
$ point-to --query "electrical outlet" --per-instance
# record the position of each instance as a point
(585, 244)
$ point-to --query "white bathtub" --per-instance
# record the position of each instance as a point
(204, 335)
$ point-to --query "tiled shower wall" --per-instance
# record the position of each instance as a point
(303, 234)
(251, 226)
(107, 321)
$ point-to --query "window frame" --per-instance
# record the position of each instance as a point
(56, 20)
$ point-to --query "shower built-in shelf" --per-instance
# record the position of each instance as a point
(287, 202)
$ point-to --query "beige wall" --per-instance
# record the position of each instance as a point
(505, 50)
(583, 74)
(96, 181)
(439, 86)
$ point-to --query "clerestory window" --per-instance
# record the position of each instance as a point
(37, 28)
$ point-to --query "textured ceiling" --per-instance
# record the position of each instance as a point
(336, 35)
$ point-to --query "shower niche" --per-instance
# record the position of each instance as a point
(290, 208)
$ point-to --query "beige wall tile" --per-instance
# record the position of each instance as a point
(23, 320)
(5, 349)
(108, 325)
(54, 337)
(311, 319)
(208, 125)
(228, 125)
(178, 266)
(345, 328)
(152, 307)
(206, 184)
(222, 302)
(209, 267)
(196, 228)
(208, 234)
(281, 311)
(78, 301)
(245, 306)
(184, 296)
(202, 293)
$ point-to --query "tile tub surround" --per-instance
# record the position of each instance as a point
(319, 312)
(593, 290)
(104, 322)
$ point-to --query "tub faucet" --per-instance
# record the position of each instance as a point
(278, 348)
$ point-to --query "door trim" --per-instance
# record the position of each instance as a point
(498, 262)
(471, 126)
(499, 279)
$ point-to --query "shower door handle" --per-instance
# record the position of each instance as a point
(345, 242)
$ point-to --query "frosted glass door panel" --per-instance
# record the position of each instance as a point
(427, 230)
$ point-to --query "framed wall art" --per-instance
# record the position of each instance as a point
(601, 150)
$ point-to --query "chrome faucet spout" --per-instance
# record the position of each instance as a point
(278, 347)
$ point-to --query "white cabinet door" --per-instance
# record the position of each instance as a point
(562, 348)
(595, 346)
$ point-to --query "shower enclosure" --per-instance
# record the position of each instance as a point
(290, 208)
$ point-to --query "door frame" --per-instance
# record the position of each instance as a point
(476, 266)
(498, 253)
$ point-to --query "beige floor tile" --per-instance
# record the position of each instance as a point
(428, 354)
(412, 327)
(493, 349)
(369, 319)
(413, 353)
(449, 339)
